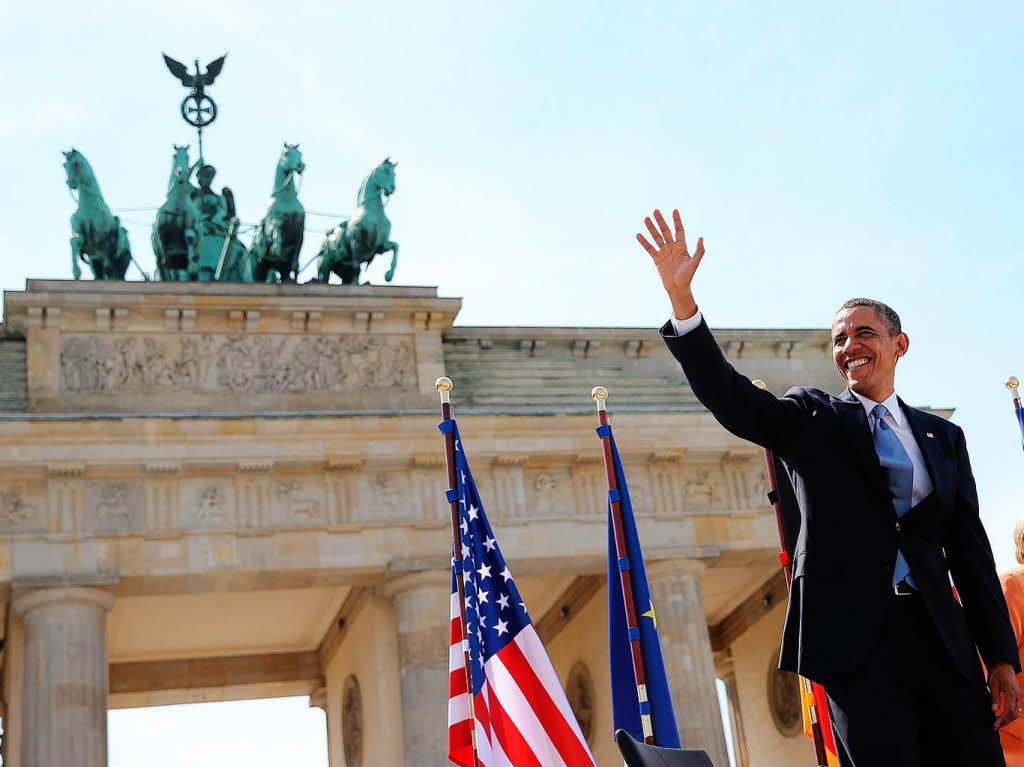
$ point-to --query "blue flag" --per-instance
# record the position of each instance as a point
(1020, 418)
(626, 707)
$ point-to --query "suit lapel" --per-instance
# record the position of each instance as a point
(934, 458)
(855, 421)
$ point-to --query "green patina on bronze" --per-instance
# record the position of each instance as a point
(176, 229)
(218, 253)
(97, 237)
(274, 254)
(361, 238)
(195, 231)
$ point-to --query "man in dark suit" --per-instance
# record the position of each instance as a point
(888, 511)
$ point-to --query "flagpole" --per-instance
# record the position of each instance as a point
(817, 735)
(444, 387)
(1012, 383)
(600, 396)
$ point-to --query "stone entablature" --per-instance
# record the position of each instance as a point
(174, 347)
(149, 497)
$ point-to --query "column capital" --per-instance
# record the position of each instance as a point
(26, 601)
(416, 581)
(666, 568)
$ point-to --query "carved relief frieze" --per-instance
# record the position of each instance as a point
(244, 364)
(385, 494)
(298, 501)
(207, 503)
(114, 506)
(703, 487)
(549, 492)
(20, 509)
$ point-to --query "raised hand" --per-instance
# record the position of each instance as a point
(675, 264)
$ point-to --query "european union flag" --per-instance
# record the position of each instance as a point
(1020, 417)
(626, 706)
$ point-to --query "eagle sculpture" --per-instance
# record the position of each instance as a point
(196, 81)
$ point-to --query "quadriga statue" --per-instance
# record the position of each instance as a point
(278, 238)
(97, 237)
(176, 230)
(206, 219)
(357, 241)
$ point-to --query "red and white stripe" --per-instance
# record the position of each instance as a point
(522, 716)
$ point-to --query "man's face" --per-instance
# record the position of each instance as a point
(205, 176)
(866, 352)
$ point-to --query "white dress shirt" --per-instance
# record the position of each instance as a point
(896, 419)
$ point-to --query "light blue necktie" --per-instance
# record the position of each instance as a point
(899, 471)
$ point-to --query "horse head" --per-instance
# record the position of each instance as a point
(180, 157)
(381, 179)
(291, 159)
(78, 171)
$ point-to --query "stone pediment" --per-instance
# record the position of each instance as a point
(188, 347)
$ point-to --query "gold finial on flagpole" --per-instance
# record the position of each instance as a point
(1012, 383)
(600, 395)
(759, 383)
(444, 387)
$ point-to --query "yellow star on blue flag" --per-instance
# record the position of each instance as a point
(650, 614)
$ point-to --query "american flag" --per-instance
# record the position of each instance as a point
(522, 717)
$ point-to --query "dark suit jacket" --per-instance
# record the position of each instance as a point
(849, 531)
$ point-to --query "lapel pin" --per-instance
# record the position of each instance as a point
(929, 434)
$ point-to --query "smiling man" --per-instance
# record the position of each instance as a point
(888, 513)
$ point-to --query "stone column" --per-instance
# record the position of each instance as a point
(64, 703)
(686, 645)
(422, 605)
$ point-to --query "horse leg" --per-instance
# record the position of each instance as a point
(124, 252)
(76, 270)
(393, 247)
(193, 254)
(259, 270)
(323, 269)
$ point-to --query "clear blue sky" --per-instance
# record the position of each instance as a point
(823, 153)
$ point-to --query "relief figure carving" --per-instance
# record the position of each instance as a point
(701, 491)
(14, 511)
(387, 494)
(95, 364)
(209, 506)
(289, 492)
(112, 501)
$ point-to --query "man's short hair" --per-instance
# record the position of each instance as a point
(885, 312)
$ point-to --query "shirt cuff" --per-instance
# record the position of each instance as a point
(682, 327)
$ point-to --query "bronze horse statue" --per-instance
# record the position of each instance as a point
(97, 237)
(278, 238)
(176, 231)
(357, 241)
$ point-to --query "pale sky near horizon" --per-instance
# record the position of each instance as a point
(874, 149)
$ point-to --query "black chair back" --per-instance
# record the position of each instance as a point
(641, 755)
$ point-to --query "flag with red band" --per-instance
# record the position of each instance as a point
(516, 706)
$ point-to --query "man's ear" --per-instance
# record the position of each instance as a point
(902, 344)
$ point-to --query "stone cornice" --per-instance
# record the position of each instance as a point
(158, 307)
(786, 343)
